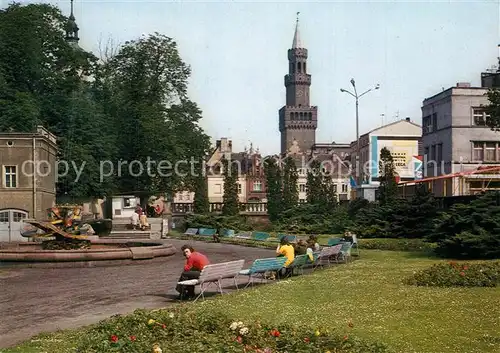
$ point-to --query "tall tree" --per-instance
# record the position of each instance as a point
(290, 187)
(230, 197)
(329, 194)
(388, 188)
(493, 109)
(274, 188)
(42, 82)
(314, 183)
(146, 85)
(201, 203)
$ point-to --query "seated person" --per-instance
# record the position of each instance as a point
(310, 250)
(300, 247)
(195, 262)
(287, 250)
(134, 220)
(314, 239)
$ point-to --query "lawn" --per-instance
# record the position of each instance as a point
(370, 294)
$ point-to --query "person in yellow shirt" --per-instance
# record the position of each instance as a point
(286, 250)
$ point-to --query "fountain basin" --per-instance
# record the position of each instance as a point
(101, 253)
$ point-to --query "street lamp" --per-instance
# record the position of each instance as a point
(357, 97)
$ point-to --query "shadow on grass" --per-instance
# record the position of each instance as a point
(426, 254)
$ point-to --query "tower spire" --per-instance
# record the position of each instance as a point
(72, 28)
(296, 37)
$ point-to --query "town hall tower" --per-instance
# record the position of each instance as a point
(297, 119)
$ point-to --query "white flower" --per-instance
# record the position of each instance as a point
(234, 326)
(243, 331)
(240, 324)
(171, 315)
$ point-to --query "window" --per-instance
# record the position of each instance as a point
(257, 186)
(479, 116)
(427, 125)
(433, 152)
(489, 151)
(344, 187)
(4, 217)
(239, 188)
(10, 176)
(181, 197)
(439, 151)
(218, 189)
(302, 188)
(188, 197)
(434, 122)
(18, 216)
(478, 152)
(334, 187)
(426, 153)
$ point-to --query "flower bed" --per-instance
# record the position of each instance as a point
(181, 330)
(455, 274)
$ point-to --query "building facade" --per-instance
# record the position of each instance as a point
(456, 139)
(28, 179)
(402, 138)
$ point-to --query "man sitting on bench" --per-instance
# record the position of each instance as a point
(195, 262)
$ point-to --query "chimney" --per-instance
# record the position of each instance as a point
(408, 118)
(463, 84)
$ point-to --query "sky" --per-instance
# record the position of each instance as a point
(238, 55)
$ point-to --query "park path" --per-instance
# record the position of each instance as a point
(35, 300)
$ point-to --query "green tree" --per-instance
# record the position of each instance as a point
(42, 82)
(290, 187)
(273, 188)
(145, 86)
(493, 109)
(230, 197)
(201, 203)
(388, 188)
(329, 194)
(314, 183)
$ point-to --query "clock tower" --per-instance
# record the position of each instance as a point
(297, 119)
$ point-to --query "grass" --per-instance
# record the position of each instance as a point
(369, 292)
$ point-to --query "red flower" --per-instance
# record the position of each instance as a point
(452, 263)
(163, 326)
(275, 333)
(114, 338)
(465, 267)
(239, 339)
(307, 340)
(462, 274)
(133, 338)
(346, 337)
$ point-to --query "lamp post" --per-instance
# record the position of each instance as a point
(357, 97)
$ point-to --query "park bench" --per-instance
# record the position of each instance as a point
(325, 256)
(290, 238)
(261, 266)
(345, 252)
(244, 235)
(334, 241)
(191, 231)
(228, 233)
(207, 232)
(260, 236)
(214, 274)
(298, 264)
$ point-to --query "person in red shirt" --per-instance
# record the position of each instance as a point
(195, 262)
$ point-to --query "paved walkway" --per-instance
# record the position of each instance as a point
(35, 300)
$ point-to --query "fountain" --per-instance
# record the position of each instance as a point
(65, 241)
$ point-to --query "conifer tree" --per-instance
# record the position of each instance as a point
(388, 188)
(274, 188)
(314, 183)
(290, 187)
(329, 194)
(230, 197)
(201, 204)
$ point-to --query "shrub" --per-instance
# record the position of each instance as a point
(180, 330)
(454, 274)
(238, 223)
(416, 245)
(470, 231)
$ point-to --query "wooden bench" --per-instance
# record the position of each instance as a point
(326, 255)
(215, 273)
(191, 231)
(261, 266)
